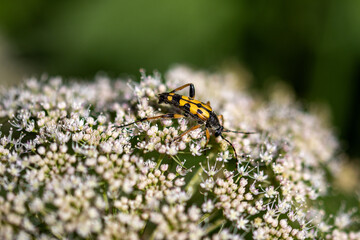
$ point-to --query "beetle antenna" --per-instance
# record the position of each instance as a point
(230, 145)
(227, 130)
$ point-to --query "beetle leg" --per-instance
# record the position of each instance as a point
(164, 116)
(221, 118)
(186, 132)
(207, 136)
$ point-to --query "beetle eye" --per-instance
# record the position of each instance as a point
(161, 98)
(217, 132)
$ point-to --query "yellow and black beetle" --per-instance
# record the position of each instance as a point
(195, 109)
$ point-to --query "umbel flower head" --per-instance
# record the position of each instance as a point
(66, 171)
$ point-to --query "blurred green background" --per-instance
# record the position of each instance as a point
(314, 46)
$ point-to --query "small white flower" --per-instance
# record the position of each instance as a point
(260, 177)
(343, 220)
(101, 119)
(241, 223)
(194, 213)
(208, 184)
(249, 196)
(259, 234)
(207, 206)
(13, 170)
(196, 134)
(61, 105)
(37, 205)
(41, 150)
(195, 149)
(152, 131)
(90, 162)
(105, 147)
(90, 121)
(172, 150)
(270, 192)
(278, 168)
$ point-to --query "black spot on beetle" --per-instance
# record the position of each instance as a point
(176, 98)
(187, 106)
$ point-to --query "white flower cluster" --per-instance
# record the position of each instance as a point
(66, 171)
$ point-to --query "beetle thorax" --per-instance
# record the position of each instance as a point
(214, 123)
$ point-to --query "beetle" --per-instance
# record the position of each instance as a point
(190, 107)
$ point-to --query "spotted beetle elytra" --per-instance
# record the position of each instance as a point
(201, 112)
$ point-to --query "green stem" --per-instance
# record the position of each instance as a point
(217, 224)
(161, 157)
(177, 161)
(195, 180)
